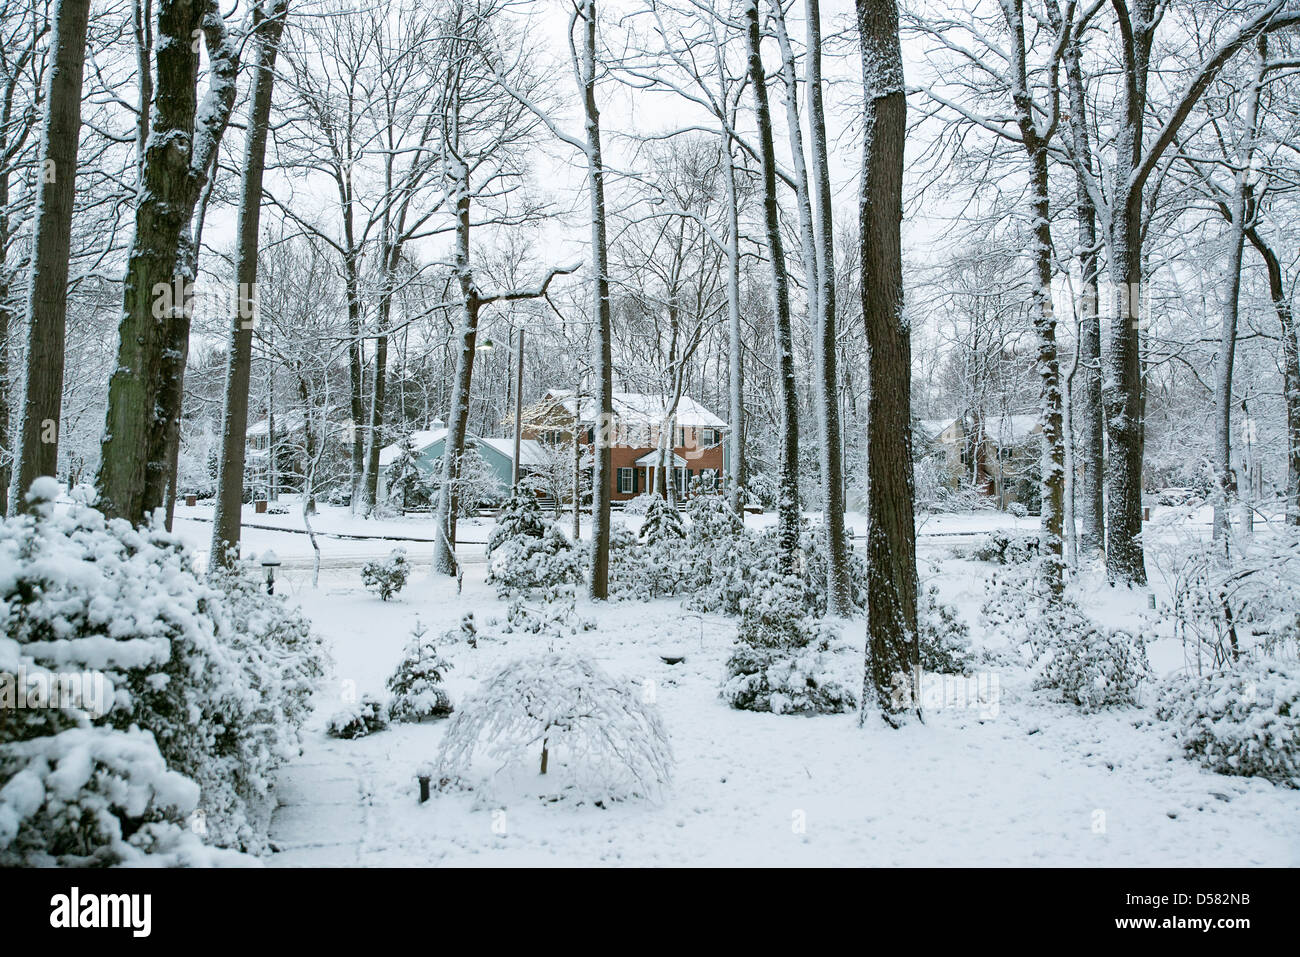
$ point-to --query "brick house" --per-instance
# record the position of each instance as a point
(698, 448)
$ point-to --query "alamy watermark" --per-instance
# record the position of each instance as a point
(25, 690)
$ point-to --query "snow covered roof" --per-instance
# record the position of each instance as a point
(1010, 429)
(637, 408)
(531, 451)
(284, 423)
(651, 460)
(422, 440)
(936, 427)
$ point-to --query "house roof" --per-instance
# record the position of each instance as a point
(531, 451)
(637, 408)
(1010, 429)
(421, 440)
(651, 460)
(936, 427)
(285, 423)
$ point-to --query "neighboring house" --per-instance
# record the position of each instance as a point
(1000, 458)
(497, 453)
(697, 447)
(267, 475)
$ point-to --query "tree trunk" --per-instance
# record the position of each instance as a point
(838, 592)
(155, 314)
(1089, 499)
(1227, 482)
(37, 451)
(1290, 371)
(1052, 559)
(602, 467)
(458, 412)
(893, 654)
(788, 500)
(1052, 462)
(239, 359)
(735, 340)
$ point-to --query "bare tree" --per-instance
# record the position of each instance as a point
(268, 27)
(893, 652)
(37, 453)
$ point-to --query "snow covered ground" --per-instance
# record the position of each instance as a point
(1037, 782)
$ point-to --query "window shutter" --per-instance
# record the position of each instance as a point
(636, 481)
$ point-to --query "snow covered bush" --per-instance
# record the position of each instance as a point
(781, 662)
(386, 578)
(662, 523)
(639, 505)
(1008, 548)
(98, 797)
(363, 718)
(218, 676)
(1242, 721)
(944, 637)
(561, 712)
(627, 579)
(1222, 611)
(416, 685)
(466, 631)
(549, 612)
(814, 549)
(527, 553)
(1092, 666)
(521, 517)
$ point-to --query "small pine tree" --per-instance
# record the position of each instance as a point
(416, 685)
(662, 523)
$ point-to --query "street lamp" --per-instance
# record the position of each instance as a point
(270, 561)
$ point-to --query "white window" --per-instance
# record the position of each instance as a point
(625, 479)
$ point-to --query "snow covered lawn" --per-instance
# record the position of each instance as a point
(1037, 784)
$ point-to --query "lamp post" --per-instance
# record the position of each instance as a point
(270, 561)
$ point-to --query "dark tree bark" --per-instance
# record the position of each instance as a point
(37, 450)
(602, 467)
(838, 600)
(893, 653)
(239, 360)
(146, 385)
(788, 499)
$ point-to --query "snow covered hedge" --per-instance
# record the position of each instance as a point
(526, 552)
(206, 686)
(1092, 666)
(1242, 721)
(781, 662)
(561, 712)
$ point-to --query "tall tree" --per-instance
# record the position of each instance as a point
(788, 495)
(268, 28)
(1136, 159)
(47, 300)
(893, 650)
(155, 320)
(838, 600)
